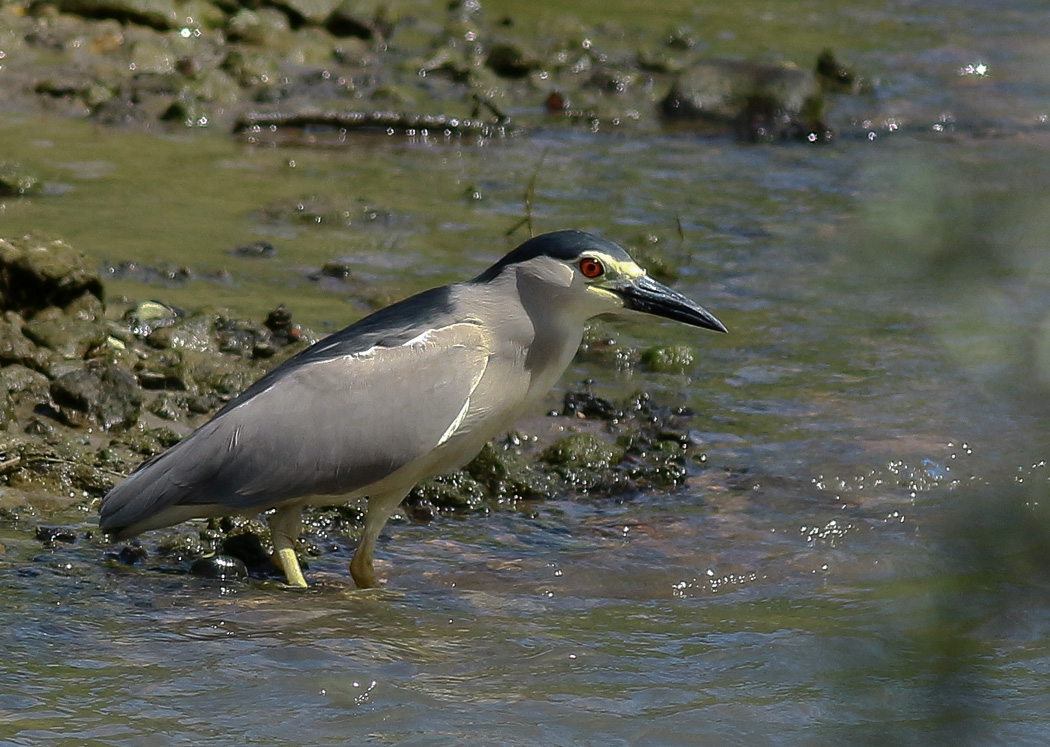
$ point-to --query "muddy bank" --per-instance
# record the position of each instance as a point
(314, 68)
(91, 387)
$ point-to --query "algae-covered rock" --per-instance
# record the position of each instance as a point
(54, 468)
(69, 337)
(509, 475)
(584, 461)
(675, 359)
(37, 273)
(581, 450)
(456, 491)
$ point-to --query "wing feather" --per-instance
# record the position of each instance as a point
(327, 427)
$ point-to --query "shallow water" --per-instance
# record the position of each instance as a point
(863, 554)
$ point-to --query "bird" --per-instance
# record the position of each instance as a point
(413, 390)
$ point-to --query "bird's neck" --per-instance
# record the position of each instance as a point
(555, 338)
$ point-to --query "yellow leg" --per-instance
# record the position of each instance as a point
(289, 563)
(379, 509)
(284, 529)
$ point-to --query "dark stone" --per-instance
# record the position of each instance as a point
(221, 567)
(588, 405)
(348, 21)
(247, 547)
(106, 394)
(255, 250)
(129, 555)
(51, 535)
(834, 76)
(336, 269)
(510, 61)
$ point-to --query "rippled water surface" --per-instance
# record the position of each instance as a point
(862, 556)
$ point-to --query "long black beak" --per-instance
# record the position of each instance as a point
(650, 297)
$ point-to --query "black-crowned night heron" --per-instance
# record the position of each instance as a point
(414, 390)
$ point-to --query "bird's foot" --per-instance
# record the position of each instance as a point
(364, 575)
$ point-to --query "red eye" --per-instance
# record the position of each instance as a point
(591, 268)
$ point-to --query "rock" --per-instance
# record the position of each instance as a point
(16, 348)
(247, 547)
(509, 475)
(454, 491)
(152, 57)
(36, 273)
(361, 20)
(128, 555)
(157, 14)
(588, 405)
(255, 250)
(221, 567)
(757, 101)
(105, 394)
(50, 535)
(676, 359)
(70, 338)
(168, 406)
(284, 330)
(150, 315)
(581, 450)
(337, 269)
(836, 77)
(585, 462)
(510, 61)
(7, 409)
(263, 28)
(22, 390)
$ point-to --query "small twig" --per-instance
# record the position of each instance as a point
(530, 191)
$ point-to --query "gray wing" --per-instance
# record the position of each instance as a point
(331, 426)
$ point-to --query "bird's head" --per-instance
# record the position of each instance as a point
(591, 277)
